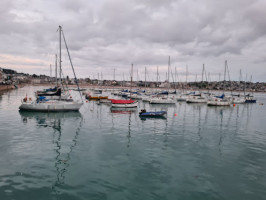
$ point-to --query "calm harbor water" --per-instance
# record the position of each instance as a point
(197, 152)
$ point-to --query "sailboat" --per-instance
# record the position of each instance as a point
(44, 104)
(125, 103)
(237, 98)
(249, 98)
(198, 98)
(54, 93)
(220, 100)
(184, 96)
(148, 94)
(164, 99)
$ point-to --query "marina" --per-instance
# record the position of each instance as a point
(132, 100)
(194, 152)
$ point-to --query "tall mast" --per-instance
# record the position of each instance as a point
(168, 73)
(131, 80)
(50, 72)
(56, 70)
(229, 79)
(251, 85)
(60, 59)
(114, 81)
(145, 77)
(202, 73)
(203, 68)
(77, 83)
(208, 81)
(157, 77)
(175, 79)
(123, 79)
(101, 80)
(224, 75)
(186, 77)
(240, 77)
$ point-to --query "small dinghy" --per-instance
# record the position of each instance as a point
(124, 103)
(144, 113)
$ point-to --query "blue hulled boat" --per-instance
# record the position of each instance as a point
(250, 99)
(143, 113)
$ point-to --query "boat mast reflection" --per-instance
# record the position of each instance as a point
(129, 131)
(124, 111)
(55, 121)
(62, 163)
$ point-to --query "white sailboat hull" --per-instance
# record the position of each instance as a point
(55, 106)
(197, 100)
(181, 98)
(162, 101)
(238, 100)
(146, 99)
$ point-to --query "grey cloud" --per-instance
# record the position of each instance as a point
(104, 34)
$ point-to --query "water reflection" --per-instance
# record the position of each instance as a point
(129, 131)
(144, 118)
(52, 119)
(123, 110)
(55, 121)
(159, 107)
(1, 94)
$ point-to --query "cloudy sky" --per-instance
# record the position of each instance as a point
(107, 34)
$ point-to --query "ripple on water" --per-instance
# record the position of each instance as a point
(197, 152)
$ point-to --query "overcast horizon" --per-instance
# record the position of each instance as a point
(103, 35)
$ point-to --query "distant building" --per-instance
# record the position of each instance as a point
(35, 80)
